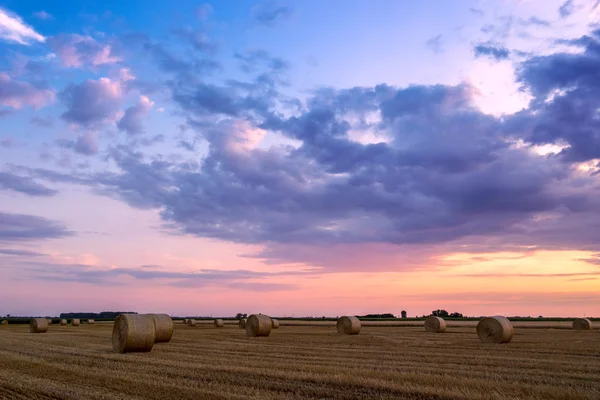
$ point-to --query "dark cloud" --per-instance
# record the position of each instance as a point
(271, 13)
(535, 21)
(132, 120)
(23, 253)
(185, 67)
(491, 50)
(566, 9)
(436, 44)
(23, 184)
(567, 96)
(477, 12)
(253, 60)
(86, 144)
(46, 122)
(91, 102)
(21, 227)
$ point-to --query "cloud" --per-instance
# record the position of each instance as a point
(491, 50)
(77, 51)
(13, 29)
(86, 144)
(270, 14)
(21, 227)
(42, 122)
(535, 21)
(18, 94)
(240, 279)
(566, 92)
(91, 102)
(566, 9)
(204, 11)
(186, 68)
(23, 253)
(23, 184)
(477, 12)
(132, 120)
(43, 15)
(197, 38)
(436, 44)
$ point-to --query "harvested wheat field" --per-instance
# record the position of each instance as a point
(301, 362)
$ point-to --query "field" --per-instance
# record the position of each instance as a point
(383, 362)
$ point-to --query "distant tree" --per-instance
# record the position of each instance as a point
(239, 316)
(540, 316)
(403, 313)
(439, 313)
(245, 315)
(455, 315)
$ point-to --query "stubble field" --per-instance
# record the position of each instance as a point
(295, 362)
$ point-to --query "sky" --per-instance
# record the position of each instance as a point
(300, 158)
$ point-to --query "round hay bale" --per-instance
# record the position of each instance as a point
(49, 321)
(75, 322)
(275, 323)
(133, 333)
(582, 324)
(191, 322)
(258, 325)
(163, 325)
(63, 321)
(348, 326)
(495, 329)
(38, 325)
(435, 324)
(242, 324)
(91, 322)
(219, 323)
(4, 322)
(185, 321)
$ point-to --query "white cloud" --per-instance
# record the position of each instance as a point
(13, 29)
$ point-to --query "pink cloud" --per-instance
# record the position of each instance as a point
(76, 51)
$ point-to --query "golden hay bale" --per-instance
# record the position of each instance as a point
(435, 324)
(275, 323)
(49, 321)
(219, 323)
(258, 325)
(4, 322)
(63, 321)
(191, 322)
(133, 333)
(91, 322)
(582, 324)
(38, 325)
(242, 324)
(185, 321)
(495, 329)
(348, 326)
(163, 325)
(75, 322)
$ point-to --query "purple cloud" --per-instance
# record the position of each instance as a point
(132, 120)
(18, 94)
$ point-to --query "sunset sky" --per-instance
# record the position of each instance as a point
(300, 158)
